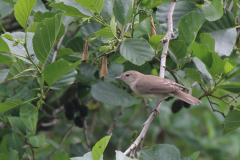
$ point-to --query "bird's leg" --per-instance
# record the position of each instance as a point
(156, 108)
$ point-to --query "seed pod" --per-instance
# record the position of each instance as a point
(85, 50)
(153, 29)
(104, 69)
(177, 106)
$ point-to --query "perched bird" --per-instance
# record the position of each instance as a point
(155, 87)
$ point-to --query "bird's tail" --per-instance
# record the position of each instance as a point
(186, 97)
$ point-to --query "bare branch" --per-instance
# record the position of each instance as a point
(85, 132)
(114, 121)
(59, 44)
(63, 139)
(162, 73)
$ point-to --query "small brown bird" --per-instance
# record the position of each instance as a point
(155, 87)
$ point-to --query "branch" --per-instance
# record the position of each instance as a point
(85, 132)
(59, 43)
(63, 139)
(193, 85)
(113, 51)
(211, 103)
(162, 73)
(114, 121)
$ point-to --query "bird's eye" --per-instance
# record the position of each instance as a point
(127, 75)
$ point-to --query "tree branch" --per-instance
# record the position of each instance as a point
(114, 121)
(166, 40)
(113, 51)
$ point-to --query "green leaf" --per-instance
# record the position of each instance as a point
(15, 143)
(56, 70)
(4, 156)
(231, 87)
(227, 68)
(5, 59)
(121, 60)
(155, 4)
(76, 44)
(160, 152)
(32, 27)
(120, 156)
(78, 149)
(70, 10)
(205, 38)
(201, 51)
(18, 123)
(37, 141)
(214, 11)
(194, 75)
(93, 5)
(42, 42)
(122, 10)
(4, 46)
(217, 64)
(232, 121)
(18, 70)
(224, 33)
(154, 41)
(110, 94)
(3, 74)
(65, 81)
(194, 155)
(9, 104)
(10, 1)
(13, 155)
(178, 48)
(99, 147)
(54, 144)
(137, 51)
(189, 26)
(233, 74)
(109, 31)
(23, 9)
(29, 115)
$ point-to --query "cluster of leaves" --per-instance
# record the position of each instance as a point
(45, 60)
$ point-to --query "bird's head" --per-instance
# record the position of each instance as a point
(130, 77)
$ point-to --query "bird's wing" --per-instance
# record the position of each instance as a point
(156, 85)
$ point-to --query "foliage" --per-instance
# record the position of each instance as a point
(46, 84)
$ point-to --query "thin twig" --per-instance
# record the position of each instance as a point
(225, 5)
(192, 86)
(221, 98)
(85, 133)
(113, 51)
(162, 73)
(210, 102)
(59, 44)
(63, 139)
(114, 121)
(231, 6)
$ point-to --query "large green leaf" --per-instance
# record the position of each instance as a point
(109, 31)
(194, 75)
(22, 10)
(70, 10)
(137, 51)
(189, 26)
(178, 48)
(228, 68)
(45, 36)
(54, 144)
(231, 87)
(181, 8)
(217, 64)
(18, 70)
(122, 10)
(201, 51)
(107, 10)
(234, 73)
(224, 33)
(205, 38)
(94, 5)
(76, 44)
(37, 141)
(3, 74)
(213, 11)
(4, 156)
(56, 70)
(110, 94)
(5, 59)
(232, 121)
(18, 123)
(29, 115)
(161, 152)
(15, 143)
(99, 147)
(154, 41)
(9, 104)
(5, 9)
(4, 46)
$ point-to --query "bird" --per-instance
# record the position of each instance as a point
(150, 86)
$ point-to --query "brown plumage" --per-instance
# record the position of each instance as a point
(150, 86)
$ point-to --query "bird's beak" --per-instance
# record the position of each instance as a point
(119, 77)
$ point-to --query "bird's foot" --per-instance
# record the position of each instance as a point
(156, 111)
